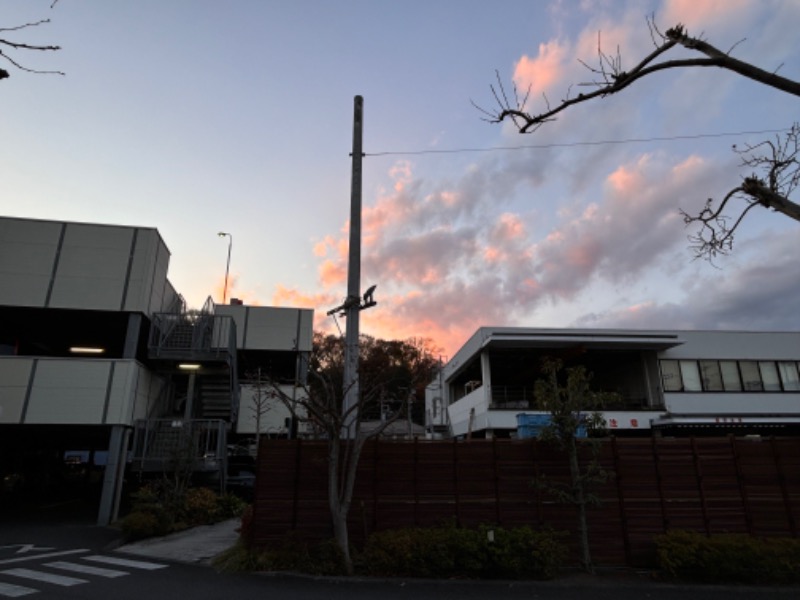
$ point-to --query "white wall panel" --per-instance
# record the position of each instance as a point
(122, 395)
(161, 293)
(743, 403)
(68, 391)
(27, 254)
(270, 327)
(736, 345)
(92, 267)
(274, 412)
(14, 375)
(137, 295)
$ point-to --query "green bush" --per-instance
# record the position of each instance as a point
(199, 506)
(446, 552)
(143, 524)
(294, 554)
(729, 558)
(158, 509)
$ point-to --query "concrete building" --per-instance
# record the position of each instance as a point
(103, 370)
(667, 382)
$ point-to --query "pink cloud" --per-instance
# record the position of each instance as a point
(542, 72)
(698, 15)
(332, 273)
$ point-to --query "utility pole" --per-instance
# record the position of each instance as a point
(352, 305)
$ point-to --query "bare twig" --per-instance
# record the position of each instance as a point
(17, 46)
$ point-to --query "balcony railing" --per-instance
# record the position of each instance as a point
(520, 397)
(198, 445)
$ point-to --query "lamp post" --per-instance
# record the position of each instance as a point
(227, 265)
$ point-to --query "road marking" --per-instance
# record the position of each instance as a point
(124, 562)
(38, 556)
(86, 569)
(23, 548)
(9, 590)
(46, 577)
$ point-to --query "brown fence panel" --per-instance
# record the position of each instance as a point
(710, 485)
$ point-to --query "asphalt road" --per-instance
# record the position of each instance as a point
(44, 557)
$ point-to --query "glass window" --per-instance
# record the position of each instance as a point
(671, 376)
(712, 377)
(691, 376)
(769, 375)
(751, 378)
(789, 376)
(730, 376)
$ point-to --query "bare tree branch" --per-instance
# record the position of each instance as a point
(16, 46)
(777, 162)
(779, 166)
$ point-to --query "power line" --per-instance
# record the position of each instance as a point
(574, 144)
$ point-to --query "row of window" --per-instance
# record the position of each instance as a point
(730, 376)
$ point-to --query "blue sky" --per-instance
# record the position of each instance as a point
(196, 117)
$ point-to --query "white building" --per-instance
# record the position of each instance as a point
(668, 382)
(99, 357)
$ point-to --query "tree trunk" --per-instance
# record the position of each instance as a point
(580, 501)
(754, 188)
(339, 498)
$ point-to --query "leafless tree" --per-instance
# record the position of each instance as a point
(320, 404)
(776, 162)
(9, 48)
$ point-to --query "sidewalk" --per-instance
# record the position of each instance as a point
(196, 545)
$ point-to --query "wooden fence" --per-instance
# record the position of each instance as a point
(711, 485)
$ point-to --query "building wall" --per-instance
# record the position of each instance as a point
(270, 327)
(75, 265)
(757, 345)
(694, 346)
(273, 411)
(72, 391)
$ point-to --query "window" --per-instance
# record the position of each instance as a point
(789, 376)
(750, 376)
(712, 377)
(731, 381)
(671, 376)
(769, 375)
(691, 376)
(730, 375)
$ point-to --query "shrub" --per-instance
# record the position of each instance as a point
(526, 553)
(158, 509)
(450, 551)
(729, 558)
(294, 554)
(199, 506)
(229, 506)
(143, 524)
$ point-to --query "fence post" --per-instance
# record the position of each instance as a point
(660, 481)
(297, 464)
(748, 515)
(787, 505)
(623, 513)
(699, 474)
(497, 511)
(455, 483)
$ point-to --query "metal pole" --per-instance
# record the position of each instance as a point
(227, 264)
(353, 302)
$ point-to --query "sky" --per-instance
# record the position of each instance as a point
(198, 116)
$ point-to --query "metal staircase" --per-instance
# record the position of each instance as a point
(191, 421)
(215, 398)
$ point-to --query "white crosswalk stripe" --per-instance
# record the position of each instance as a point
(124, 562)
(45, 577)
(85, 569)
(9, 590)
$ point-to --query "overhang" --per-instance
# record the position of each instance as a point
(597, 339)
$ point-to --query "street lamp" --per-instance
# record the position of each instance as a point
(227, 265)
